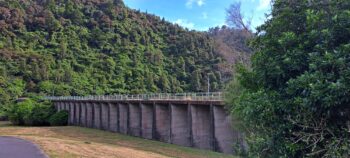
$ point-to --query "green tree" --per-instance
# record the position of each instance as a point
(75, 47)
(295, 100)
(196, 81)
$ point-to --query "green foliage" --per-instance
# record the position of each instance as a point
(17, 112)
(10, 89)
(79, 47)
(30, 113)
(3, 116)
(295, 100)
(59, 119)
(39, 115)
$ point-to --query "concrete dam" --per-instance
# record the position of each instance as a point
(191, 119)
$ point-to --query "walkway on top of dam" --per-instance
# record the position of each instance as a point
(216, 98)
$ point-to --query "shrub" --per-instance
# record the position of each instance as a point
(17, 112)
(3, 116)
(30, 113)
(39, 116)
(59, 119)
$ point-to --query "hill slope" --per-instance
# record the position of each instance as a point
(81, 47)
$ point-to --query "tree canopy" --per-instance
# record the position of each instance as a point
(294, 101)
(94, 47)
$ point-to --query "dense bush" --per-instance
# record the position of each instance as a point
(39, 116)
(67, 47)
(295, 100)
(30, 113)
(3, 116)
(17, 112)
(59, 119)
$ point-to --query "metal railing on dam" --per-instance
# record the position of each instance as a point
(212, 96)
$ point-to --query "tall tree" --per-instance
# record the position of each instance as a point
(295, 100)
(236, 18)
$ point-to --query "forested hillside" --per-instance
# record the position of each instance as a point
(231, 44)
(89, 47)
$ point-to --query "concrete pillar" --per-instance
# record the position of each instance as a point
(83, 118)
(225, 135)
(202, 133)
(60, 106)
(113, 117)
(63, 105)
(66, 105)
(135, 119)
(77, 113)
(97, 115)
(162, 123)
(147, 121)
(189, 116)
(180, 126)
(71, 113)
(104, 116)
(89, 115)
(123, 118)
(57, 105)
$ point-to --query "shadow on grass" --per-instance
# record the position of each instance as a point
(5, 124)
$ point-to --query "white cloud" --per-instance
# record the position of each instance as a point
(264, 4)
(204, 15)
(184, 23)
(189, 3)
(200, 2)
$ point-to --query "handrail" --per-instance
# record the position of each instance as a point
(212, 96)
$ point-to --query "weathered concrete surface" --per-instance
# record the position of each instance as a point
(105, 116)
(66, 107)
(113, 117)
(97, 115)
(71, 113)
(201, 127)
(223, 130)
(57, 106)
(147, 121)
(11, 147)
(135, 120)
(123, 118)
(83, 118)
(162, 124)
(77, 113)
(180, 127)
(89, 115)
(61, 106)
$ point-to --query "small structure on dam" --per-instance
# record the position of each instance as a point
(193, 119)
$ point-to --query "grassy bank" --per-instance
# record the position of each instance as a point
(74, 142)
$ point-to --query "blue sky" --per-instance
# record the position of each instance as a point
(200, 14)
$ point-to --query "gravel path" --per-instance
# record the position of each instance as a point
(11, 147)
